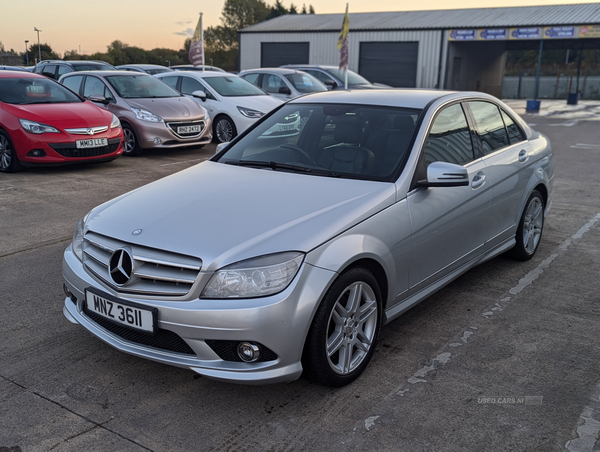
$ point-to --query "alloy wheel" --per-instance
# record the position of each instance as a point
(351, 328)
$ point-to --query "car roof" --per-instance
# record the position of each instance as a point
(143, 66)
(13, 68)
(105, 73)
(201, 74)
(21, 74)
(395, 97)
(272, 70)
(313, 66)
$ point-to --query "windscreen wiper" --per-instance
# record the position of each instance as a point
(283, 166)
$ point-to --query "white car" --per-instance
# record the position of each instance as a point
(283, 82)
(232, 103)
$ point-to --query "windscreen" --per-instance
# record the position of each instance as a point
(233, 86)
(353, 77)
(306, 83)
(25, 91)
(336, 140)
(140, 87)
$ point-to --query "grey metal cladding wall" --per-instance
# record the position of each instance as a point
(390, 63)
(323, 49)
(275, 54)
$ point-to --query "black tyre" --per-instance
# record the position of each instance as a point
(344, 333)
(131, 145)
(529, 231)
(224, 129)
(9, 162)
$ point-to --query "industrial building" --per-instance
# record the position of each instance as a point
(463, 49)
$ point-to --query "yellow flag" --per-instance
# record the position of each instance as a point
(345, 30)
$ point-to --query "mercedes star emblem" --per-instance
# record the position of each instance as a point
(120, 266)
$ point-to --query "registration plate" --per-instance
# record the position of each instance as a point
(91, 143)
(284, 128)
(189, 129)
(123, 313)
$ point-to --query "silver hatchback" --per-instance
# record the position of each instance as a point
(287, 253)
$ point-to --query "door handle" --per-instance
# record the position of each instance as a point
(478, 180)
(523, 157)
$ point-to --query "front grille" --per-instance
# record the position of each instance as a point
(155, 272)
(70, 149)
(173, 125)
(227, 351)
(163, 339)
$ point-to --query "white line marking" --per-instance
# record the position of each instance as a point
(370, 421)
(436, 362)
(179, 163)
(566, 124)
(6, 188)
(590, 145)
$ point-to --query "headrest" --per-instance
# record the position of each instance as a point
(348, 129)
(404, 123)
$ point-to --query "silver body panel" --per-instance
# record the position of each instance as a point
(217, 214)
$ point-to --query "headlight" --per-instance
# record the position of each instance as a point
(145, 115)
(115, 122)
(78, 238)
(37, 127)
(257, 277)
(249, 113)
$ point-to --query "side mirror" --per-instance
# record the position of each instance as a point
(99, 100)
(285, 90)
(443, 174)
(199, 94)
(222, 146)
(329, 83)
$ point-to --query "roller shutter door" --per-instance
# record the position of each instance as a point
(275, 54)
(391, 63)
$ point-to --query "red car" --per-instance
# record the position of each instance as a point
(42, 122)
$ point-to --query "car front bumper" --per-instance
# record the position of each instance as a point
(158, 135)
(279, 322)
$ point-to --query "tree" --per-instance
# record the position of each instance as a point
(277, 10)
(303, 8)
(293, 9)
(311, 10)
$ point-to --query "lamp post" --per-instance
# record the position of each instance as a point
(39, 48)
(168, 62)
(26, 52)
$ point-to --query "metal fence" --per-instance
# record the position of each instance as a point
(551, 87)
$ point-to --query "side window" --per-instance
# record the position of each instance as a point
(449, 139)
(189, 85)
(171, 81)
(490, 126)
(63, 69)
(252, 78)
(272, 83)
(49, 71)
(39, 68)
(515, 134)
(95, 87)
(73, 83)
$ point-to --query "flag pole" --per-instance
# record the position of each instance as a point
(202, 40)
(346, 71)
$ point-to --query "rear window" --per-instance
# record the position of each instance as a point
(25, 91)
(93, 67)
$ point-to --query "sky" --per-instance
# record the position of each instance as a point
(89, 26)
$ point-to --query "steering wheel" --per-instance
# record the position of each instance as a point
(300, 151)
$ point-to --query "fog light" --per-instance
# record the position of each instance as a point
(156, 140)
(69, 294)
(248, 352)
(36, 153)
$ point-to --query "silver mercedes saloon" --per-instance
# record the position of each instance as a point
(287, 252)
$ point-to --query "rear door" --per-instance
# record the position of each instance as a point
(449, 225)
(508, 166)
